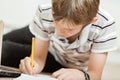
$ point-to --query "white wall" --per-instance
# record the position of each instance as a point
(17, 13)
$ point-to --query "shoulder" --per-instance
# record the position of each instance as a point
(104, 24)
(46, 12)
(104, 19)
(46, 8)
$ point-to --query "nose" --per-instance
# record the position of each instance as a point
(62, 33)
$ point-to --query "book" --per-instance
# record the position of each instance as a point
(9, 72)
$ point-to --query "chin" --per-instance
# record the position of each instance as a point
(65, 36)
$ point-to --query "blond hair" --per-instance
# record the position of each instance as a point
(76, 11)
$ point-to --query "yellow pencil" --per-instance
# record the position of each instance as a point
(32, 53)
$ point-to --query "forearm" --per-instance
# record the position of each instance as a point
(90, 76)
(94, 76)
(41, 50)
(96, 65)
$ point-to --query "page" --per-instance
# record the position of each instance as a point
(6, 71)
(37, 77)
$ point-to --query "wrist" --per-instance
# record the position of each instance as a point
(87, 77)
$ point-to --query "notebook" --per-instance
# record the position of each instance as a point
(4, 70)
(1, 33)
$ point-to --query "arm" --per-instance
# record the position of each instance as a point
(96, 65)
(42, 30)
(95, 68)
(41, 49)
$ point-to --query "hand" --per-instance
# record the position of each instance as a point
(69, 74)
(26, 68)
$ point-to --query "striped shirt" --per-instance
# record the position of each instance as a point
(96, 37)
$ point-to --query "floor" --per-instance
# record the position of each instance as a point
(111, 72)
(112, 67)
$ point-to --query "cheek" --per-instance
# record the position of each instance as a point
(62, 32)
(74, 31)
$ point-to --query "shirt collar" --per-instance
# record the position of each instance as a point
(84, 34)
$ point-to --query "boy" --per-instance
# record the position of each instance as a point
(77, 34)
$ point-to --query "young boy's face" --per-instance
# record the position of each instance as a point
(64, 29)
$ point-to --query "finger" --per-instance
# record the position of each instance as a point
(27, 66)
(59, 72)
(22, 66)
(62, 76)
(36, 68)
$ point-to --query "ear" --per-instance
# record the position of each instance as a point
(94, 19)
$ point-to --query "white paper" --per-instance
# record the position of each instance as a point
(37, 77)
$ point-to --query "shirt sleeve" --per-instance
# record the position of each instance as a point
(42, 24)
(105, 41)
